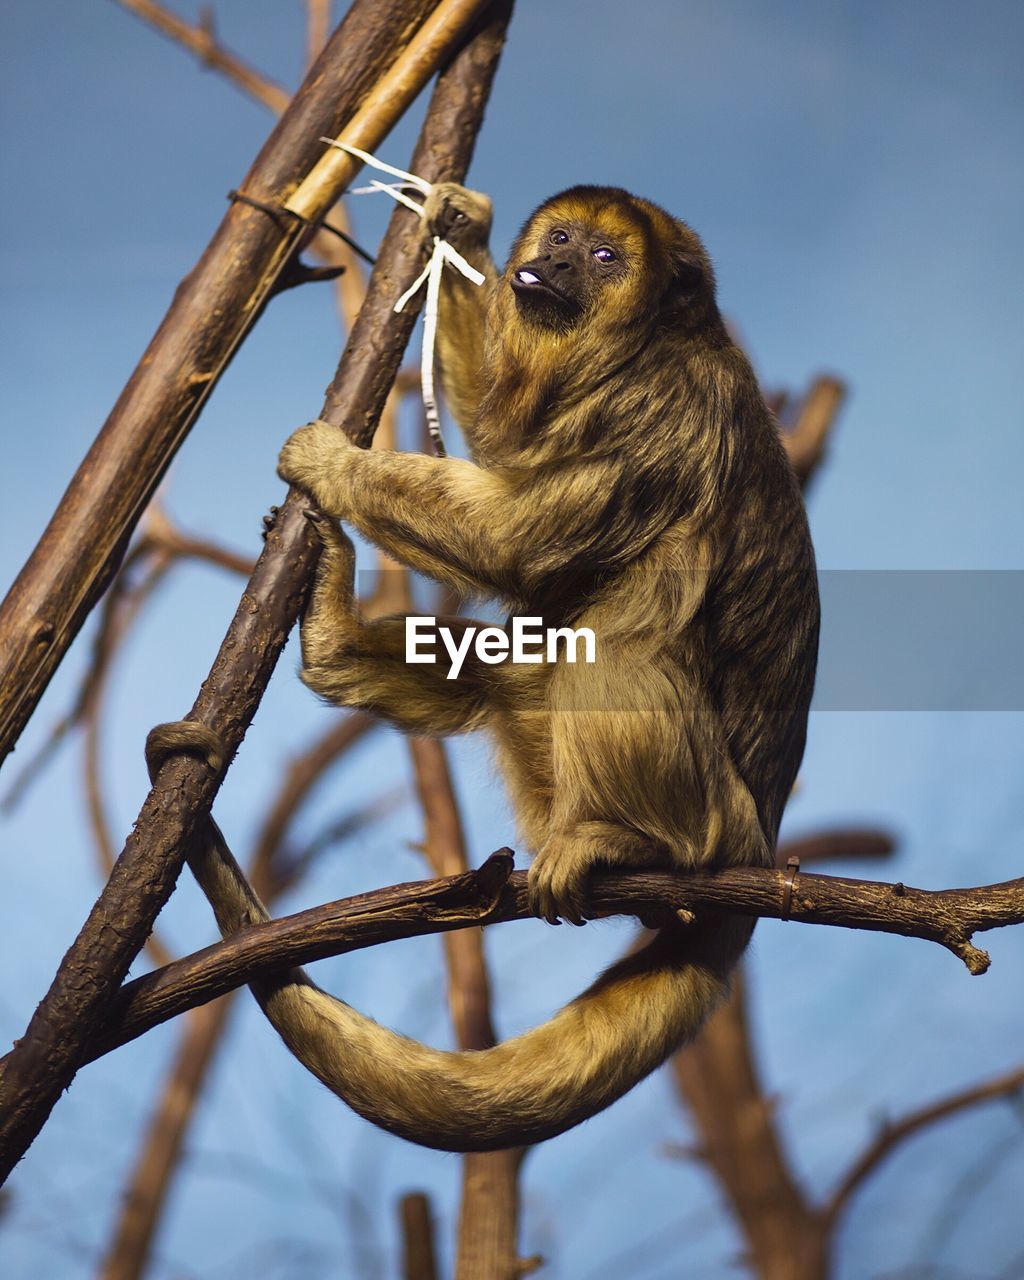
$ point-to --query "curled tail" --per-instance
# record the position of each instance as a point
(522, 1091)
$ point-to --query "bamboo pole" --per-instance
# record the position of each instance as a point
(392, 94)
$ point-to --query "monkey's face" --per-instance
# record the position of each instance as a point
(600, 249)
(575, 262)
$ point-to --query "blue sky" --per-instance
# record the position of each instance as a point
(855, 170)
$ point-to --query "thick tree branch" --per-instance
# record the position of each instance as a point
(739, 1141)
(43, 1063)
(490, 896)
(718, 1077)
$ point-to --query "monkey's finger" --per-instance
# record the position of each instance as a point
(539, 894)
(571, 901)
(568, 886)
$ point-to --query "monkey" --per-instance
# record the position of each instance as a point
(625, 475)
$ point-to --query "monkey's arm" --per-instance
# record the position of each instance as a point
(482, 532)
(463, 218)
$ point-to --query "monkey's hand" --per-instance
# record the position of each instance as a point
(309, 457)
(458, 215)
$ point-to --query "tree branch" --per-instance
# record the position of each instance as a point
(162, 1142)
(202, 40)
(893, 1133)
(739, 1141)
(419, 1261)
(718, 1077)
(807, 440)
(44, 1062)
(492, 895)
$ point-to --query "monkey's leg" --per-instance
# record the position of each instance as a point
(634, 770)
(354, 663)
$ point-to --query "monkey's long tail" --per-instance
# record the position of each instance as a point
(520, 1092)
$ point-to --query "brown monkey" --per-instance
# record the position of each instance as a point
(627, 477)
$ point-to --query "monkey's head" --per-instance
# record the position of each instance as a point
(601, 255)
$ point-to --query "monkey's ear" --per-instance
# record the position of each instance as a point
(687, 272)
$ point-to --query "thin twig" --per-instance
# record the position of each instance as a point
(271, 869)
(121, 607)
(807, 440)
(38, 761)
(858, 843)
(201, 39)
(1008, 1085)
(318, 24)
(160, 532)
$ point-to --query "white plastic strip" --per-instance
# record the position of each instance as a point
(431, 275)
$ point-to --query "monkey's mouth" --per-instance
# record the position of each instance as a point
(526, 282)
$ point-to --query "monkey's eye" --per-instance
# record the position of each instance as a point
(559, 237)
(459, 216)
(604, 255)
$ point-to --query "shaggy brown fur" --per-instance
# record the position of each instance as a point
(628, 478)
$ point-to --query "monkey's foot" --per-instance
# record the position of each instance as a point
(557, 880)
(335, 573)
(557, 883)
(269, 520)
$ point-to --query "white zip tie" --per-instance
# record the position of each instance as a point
(421, 184)
(372, 190)
(431, 274)
(396, 193)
